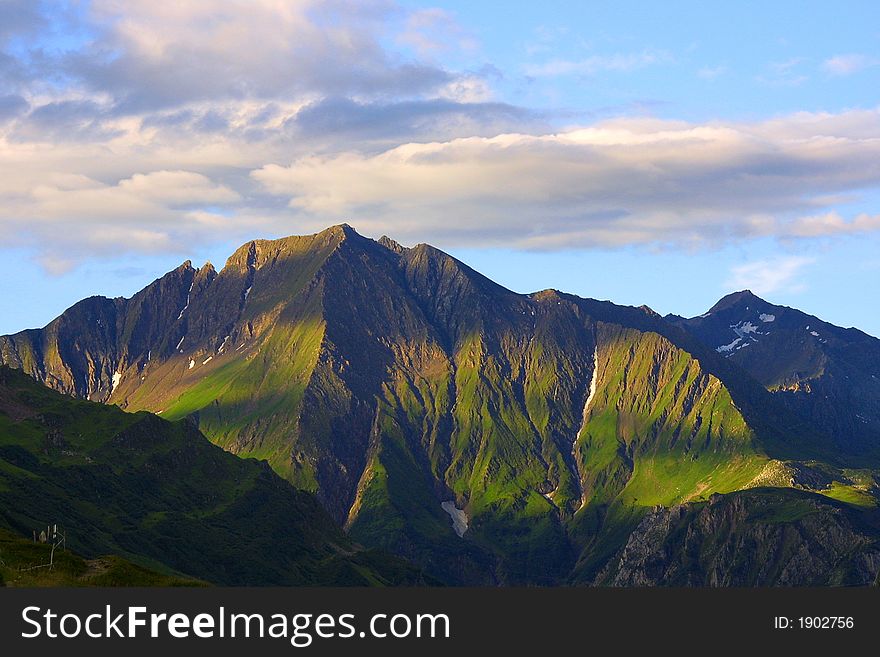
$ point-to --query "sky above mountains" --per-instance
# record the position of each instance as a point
(659, 153)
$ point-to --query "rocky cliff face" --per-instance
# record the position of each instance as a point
(761, 537)
(415, 397)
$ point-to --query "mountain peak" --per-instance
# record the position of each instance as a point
(342, 231)
(255, 253)
(736, 298)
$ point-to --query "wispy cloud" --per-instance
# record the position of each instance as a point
(787, 73)
(433, 30)
(618, 62)
(842, 65)
(711, 72)
(783, 274)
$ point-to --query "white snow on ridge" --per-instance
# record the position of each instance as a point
(188, 295)
(117, 377)
(594, 381)
(192, 364)
(459, 517)
(765, 317)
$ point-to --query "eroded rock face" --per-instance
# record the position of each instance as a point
(763, 537)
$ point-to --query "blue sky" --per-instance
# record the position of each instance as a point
(657, 153)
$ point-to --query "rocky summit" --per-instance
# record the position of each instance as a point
(491, 437)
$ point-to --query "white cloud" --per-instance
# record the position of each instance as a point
(68, 214)
(170, 127)
(848, 64)
(615, 183)
(771, 275)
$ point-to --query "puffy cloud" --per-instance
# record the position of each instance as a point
(68, 214)
(437, 118)
(614, 183)
(770, 275)
(157, 55)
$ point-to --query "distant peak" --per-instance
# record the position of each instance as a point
(735, 299)
(390, 244)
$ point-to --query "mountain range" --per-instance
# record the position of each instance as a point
(485, 436)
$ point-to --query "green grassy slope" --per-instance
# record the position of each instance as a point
(159, 495)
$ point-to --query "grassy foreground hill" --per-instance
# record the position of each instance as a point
(23, 564)
(158, 495)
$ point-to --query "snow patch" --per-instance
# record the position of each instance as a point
(247, 292)
(593, 380)
(180, 343)
(192, 364)
(117, 377)
(459, 517)
(207, 360)
(594, 383)
(766, 317)
(814, 334)
(223, 344)
(728, 347)
(703, 316)
(742, 329)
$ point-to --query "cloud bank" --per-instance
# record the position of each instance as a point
(152, 126)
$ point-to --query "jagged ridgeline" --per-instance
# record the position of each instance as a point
(489, 436)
